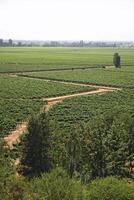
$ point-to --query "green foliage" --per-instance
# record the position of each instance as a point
(98, 148)
(104, 146)
(16, 110)
(6, 171)
(111, 188)
(108, 77)
(17, 88)
(20, 98)
(22, 59)
(107, 147)
(116, 60)
(35, 158)
(82, 109)
(57, 185)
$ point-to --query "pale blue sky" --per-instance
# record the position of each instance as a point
(67, 19)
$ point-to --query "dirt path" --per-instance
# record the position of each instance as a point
(14, 136)
(54, 100)
(50, 104)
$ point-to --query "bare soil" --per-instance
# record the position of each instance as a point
(55, 100)
(14, 136)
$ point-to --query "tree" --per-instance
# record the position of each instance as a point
(73, 147)
(98, 148)
(107, 149)
(116, 60)
(35, 158)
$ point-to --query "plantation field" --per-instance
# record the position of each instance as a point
(23, 88)
(123, 77)
(81, 109)
(31, 59)
(14, 111)
(21, 97)
(73, 140)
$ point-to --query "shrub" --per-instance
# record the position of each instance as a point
(57, 186)
(111, 188)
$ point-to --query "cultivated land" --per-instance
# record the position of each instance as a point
(22, 97)
(90, 114)
(82, 109)
(31, 59)
(110, 77)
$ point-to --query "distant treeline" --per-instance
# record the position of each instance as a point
(81, 43)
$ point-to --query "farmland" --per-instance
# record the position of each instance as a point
(113, 77)
(34, 59)
(78, 130)
(20, 98)
(18, 92)
(23, 88)
(74, 111)
(14, 111)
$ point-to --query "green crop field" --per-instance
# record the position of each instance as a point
(21, 97)
(84, 137)
(114, 77)
(81, 109)
(31, 59)
(24, 88)
(14, 111)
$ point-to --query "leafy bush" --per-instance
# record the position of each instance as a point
(57, 186)
(110, 188)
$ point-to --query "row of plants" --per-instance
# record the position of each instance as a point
(76, 110)
(23, 88)
(109, 77)
(15, 111)
(20, 98)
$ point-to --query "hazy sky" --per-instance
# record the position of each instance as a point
(67, 19)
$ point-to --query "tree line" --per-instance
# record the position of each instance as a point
(102, 147)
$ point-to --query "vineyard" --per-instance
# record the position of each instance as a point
(20, 98)
(23, 88)
(74, 111)
(18, 92)
(13, 111)
(78, 123)
(36, 59)
(123, 77)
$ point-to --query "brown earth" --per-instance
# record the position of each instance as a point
(14, 136)
(61, 98)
